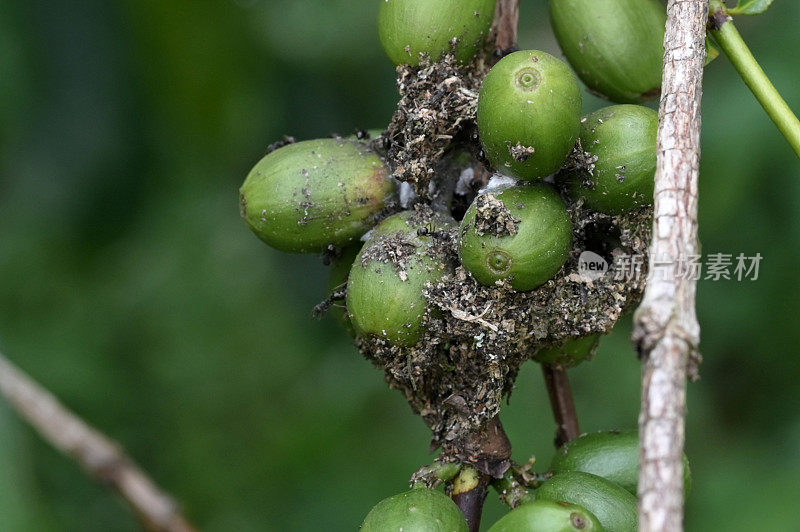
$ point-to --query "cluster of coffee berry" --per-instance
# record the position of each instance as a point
(591, 486)
(327, 193)
(338, 196)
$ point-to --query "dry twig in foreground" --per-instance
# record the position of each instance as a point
(666, 330)
(100, 456)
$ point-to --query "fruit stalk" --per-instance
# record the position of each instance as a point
(485, 455)
(730, 40)
(511, 491)
(666, 331)
(562, 403)
(469, 494)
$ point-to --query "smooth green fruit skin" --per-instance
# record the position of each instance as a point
(548, 516)
(530, 99)
(623, 140)
(613, 455)
(418, 510)
(615, 46)
(571, 353)
(307, 195)
(381, 303)
(408, 28)
(533, 255)
(614, 507)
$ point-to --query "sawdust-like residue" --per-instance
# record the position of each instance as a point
(394, 249)
(477, 337)
(438, 104)
(493, 217)
(583, 162)
(521, 153)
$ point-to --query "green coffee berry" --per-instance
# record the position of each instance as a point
(529, 111)
(548, 516)
(409, 28)
(417, 510)
(307, 195)
(522, 233)
(614, 507)
(570, 353)
(616, 171)
(615, 46)
(611, 455)
(385, 290)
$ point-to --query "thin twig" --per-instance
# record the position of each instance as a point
(728, 37)
(562, 403)
(506, 24)
(100, 456)
(666, 330)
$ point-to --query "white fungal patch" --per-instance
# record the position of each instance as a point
(497, 183)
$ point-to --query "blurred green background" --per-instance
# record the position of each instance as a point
(130, 287)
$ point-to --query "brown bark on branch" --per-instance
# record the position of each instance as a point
(562, 403)
(666, 330)
(506, 24)
(487, 455)
(101, 457)
(471, 502)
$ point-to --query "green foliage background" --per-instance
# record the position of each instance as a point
(130, 287)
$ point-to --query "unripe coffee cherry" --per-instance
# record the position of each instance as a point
(615, 46)
(305, 196)
(613, 455)
(570, 353)
(529, 112)
(522, 233)
(385, 290)
(613, 506)
(410, 27)
(618, 168)
(548, 516)
(420, 509)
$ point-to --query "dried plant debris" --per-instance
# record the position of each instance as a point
(438, 104)
(493, 217)
(583, 161)
(521, 153)
(478, 336)
(392, 249)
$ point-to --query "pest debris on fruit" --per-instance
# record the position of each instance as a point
(438, 104)
(493, 217)
(476, 337)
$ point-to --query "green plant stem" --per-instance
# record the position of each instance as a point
(511, 492)
(434, 474)
(732, 44)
